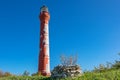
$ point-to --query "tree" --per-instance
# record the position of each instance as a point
(1, 73)
(69, 67)
(26, 73)
(67, 61)
(6, 74)
(116, 65)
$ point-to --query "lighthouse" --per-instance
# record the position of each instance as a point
(44, 58)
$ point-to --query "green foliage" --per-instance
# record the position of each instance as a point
(102, 68)
(108, 66)
(36, 74)
(24, 78)
(108, 75)
(116, 65)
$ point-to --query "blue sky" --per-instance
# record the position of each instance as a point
(89, 28)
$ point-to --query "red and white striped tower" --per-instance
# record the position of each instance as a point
(44, 62)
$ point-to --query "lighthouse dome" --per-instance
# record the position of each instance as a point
(44, 8)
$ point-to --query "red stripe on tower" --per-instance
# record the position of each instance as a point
(44, 64)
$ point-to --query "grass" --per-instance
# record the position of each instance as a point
(107, 75)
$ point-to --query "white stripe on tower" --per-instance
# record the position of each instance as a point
(46, 29)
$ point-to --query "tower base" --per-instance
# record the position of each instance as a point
(44, 74)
